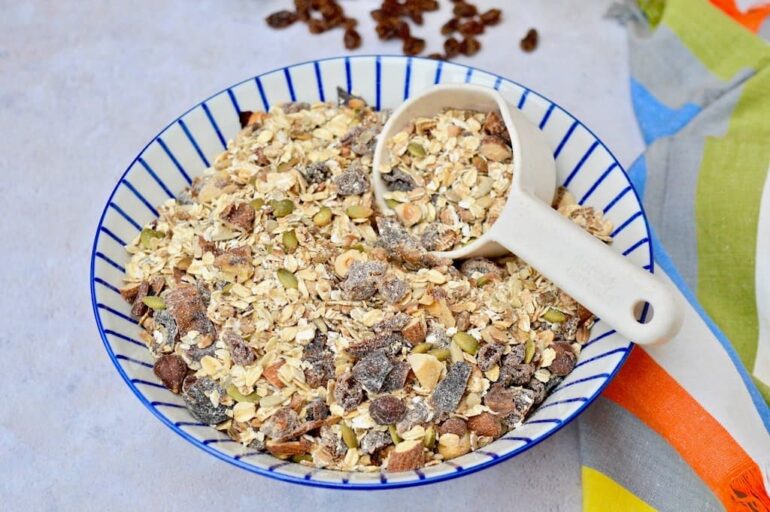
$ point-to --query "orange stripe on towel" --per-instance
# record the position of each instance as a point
(751, 19)
(645, 389)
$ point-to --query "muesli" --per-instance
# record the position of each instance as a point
(292, 315)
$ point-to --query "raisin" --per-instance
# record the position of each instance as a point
(138, 308)
(317, 410)
(352, 39)
(281, 19)
(449, 27)
(387, 410)
(319, 372)
(197, 399)
(470, 46)
(413, 46)
(529, 42)
(393, 289)
(372, 370)
(375, 440)
(188, 309)
(474, 267)
(565, 359)
(396, 379)
(446, 397)
(240, 352)
(389, 343)
(451, 48)
(353, 181)
(453, 426)
(491, 17)
(398, 180)
(317, 172)
(516, 355)
(393, 324)
(499, 399)
(471, 28)
(464, 10)
(281, 424)
(171, 370)
(348, 392)
(489, 355)
(165, 324)
(538, 388)
(361, 282)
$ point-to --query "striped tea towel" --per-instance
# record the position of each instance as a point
(686, 426)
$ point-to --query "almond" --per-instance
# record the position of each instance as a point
(407, 456)
(289, 448)
(271, 374)
(485, 424)
(415, 331)
(427, 368)
(452, 445)
(494, 148)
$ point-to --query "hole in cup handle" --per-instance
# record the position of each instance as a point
(657, 319)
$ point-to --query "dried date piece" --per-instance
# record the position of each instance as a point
(240, 352)
(396, 379)
(372, 370)
(446, 397)
(199, 396)
(375, 440)
(500, 399)
(171, 370)
(361, 282)
(317, 172)
(348, 392)
(317, 410)
(387, 410)
(523, 400)
(488, 356)
(281, 19)
(529, 42)
(352, 182)
(389, 343)
(398, 180)
(185, 304)
(393, 289)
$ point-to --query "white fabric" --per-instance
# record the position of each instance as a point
(761, 368)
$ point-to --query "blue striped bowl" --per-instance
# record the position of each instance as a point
(190, 143)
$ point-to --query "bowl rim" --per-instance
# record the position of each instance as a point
(343, 484)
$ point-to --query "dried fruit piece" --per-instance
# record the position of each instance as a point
(348, 392)
(352, 182)
(485, 424)
(455, 426)
(317, 410)
(438, 237)
(446, 397)
(414, 332)
(499, 399)
(529, 42)
(389, 343)
(488, 356)
(565, 359)
(516, 374)
(491, 17)
(352, 39)
(202, 399)
(478, 266)
(185, 304)
(241, 215)
(319, 372)
(396, 379)
(317, 172)
(171, 370)
(361, 281)
(398, 180)
(406, 456)
(281, 19)
(494, 125)
(282, 423)
(387, 410)
(240, 352)
(393, 289)
(375, 440)
(372, 370)
(523, 400)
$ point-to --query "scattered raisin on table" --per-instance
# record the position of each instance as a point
(491, 17)
(352, 39)
(529, 43)
(470, 46)
(281, 19)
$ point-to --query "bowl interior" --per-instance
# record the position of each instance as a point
(190, 143)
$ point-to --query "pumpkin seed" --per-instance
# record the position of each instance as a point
(442, 354)
(358, 211)
(156, 303)
(147, 235)
(529, 351)
(554, 316)
(394, 434)
(421, 348)
(323, 217)
(466, 342)
(349, 436)
(236, 395)
(257, 204)
(416, 150)
(287, 279)
(289, 240)
(282, 208)
(429, 439)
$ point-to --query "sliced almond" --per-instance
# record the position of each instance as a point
(407, 456)
(289, 448)
(485, 424)
(415, 331)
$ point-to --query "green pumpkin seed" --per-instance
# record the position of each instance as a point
(349, 436)
(481, 281)
(529, 351)
(429, 439)
(257, 204)
(285, 166)
(287, 279)
(466, 342)
(554, 316)
(392, 203)
(289, 240)
(416, 150)
(226, 288)
(282, 208)
(147, 235)
(394, 434)
(323, 217)
(442, 354)
(236, 395)
(300, 458)
(421, 348)
(358, 211)
(156, 303)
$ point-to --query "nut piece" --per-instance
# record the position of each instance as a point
(415, 331)
(452, 445)
(427, 368)
(171, 370)
(344, 261)
(494, 148)
(236, 261)
(289, 448)
(408, 213)
(485, 424)
(271, 374)
(407, 456)
(240, 216)
(455, 426)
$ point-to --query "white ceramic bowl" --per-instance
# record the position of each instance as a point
(190, 143)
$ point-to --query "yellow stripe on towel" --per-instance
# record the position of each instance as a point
(603, 494)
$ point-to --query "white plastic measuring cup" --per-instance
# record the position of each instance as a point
(603, 281)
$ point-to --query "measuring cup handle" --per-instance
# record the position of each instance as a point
(606, 283)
